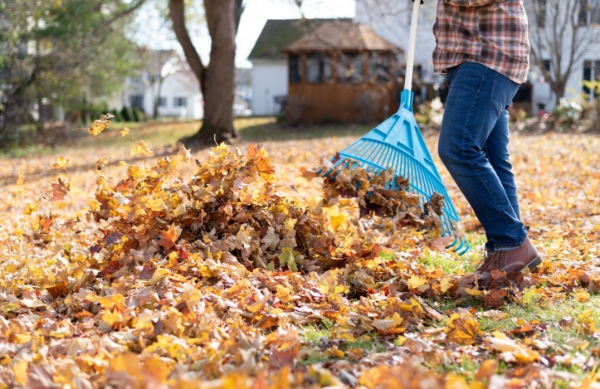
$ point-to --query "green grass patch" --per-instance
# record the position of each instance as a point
(158, 134)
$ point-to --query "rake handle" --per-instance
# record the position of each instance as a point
(412, 43)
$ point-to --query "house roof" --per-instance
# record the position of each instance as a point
(341, 34)
(277, 34)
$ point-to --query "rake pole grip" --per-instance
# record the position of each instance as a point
(412, 43)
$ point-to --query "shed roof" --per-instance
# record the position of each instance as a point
(341, 34)
(277, 34)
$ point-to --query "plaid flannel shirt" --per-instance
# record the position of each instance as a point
(490, 32)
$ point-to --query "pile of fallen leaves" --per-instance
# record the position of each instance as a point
(211, 280)
(383, 194)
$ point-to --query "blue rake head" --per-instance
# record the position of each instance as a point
(397, 143)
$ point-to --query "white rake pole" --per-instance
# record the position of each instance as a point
(412, 43)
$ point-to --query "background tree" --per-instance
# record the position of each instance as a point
(217, 79)
(561, 33)
(67, 53)
(159, 64)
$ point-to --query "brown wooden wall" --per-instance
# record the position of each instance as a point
(342, 103)
(339, 102)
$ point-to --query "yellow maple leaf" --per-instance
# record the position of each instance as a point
(141, 148)
(60, 163)
(108, 302)
(31, 207)
(21, 179)
(98, 126)
(94, 205)
(19, 369)
(112, 318)
(462, 329)
(124, 131)
(156, 205)
(582, 295)
(415, 281)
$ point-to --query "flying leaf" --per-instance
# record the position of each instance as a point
(308, 174)
(31, 207)
(141, 148)
(184, 154)
(99, 125)
(58, 192)
(124, 131)
(60, 163)
(21, 179)
(101, 162)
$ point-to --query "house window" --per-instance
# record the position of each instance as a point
(295, 68)
(379, 68)
(350, 68)
(546, 63)
(162, 102)
(591, 73)
(318, 68)
(137, 101)
(589, 12)
(179, 101)
(583, 12)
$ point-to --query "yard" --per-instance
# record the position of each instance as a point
(81, 306)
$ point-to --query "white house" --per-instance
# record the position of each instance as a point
(391, 20)
(577, 45)
(270, 65)
(169, 79)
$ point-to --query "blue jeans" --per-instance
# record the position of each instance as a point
(474, 147)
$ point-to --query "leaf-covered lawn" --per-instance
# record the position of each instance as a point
(130, 270)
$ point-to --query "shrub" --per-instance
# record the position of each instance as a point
(138, 115)
(126, 114)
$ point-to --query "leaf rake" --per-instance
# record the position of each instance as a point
(397, 143)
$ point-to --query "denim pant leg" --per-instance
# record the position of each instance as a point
(496, 151)
(476, 101)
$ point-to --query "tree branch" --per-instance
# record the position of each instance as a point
(177, 13)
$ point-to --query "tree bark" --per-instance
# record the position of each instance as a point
(157, 98)
(216, 80)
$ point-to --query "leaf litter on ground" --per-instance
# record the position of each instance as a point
(164, 281)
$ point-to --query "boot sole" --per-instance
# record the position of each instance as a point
(533, 264)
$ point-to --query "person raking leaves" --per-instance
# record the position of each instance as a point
(483, 47)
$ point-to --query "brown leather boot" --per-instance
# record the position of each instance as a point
(511, 261)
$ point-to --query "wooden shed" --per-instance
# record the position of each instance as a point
(341, 72)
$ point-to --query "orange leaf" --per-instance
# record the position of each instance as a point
(494, 298)
(58, 192)
(169, 237)
(58, 289)
(308, 174)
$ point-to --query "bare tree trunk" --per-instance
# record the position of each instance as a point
(157, 99)
(559, 91)
(217, 80)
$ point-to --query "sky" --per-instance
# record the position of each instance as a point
(152, 30)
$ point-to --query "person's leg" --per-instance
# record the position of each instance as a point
(477, 98)
(496, 151)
